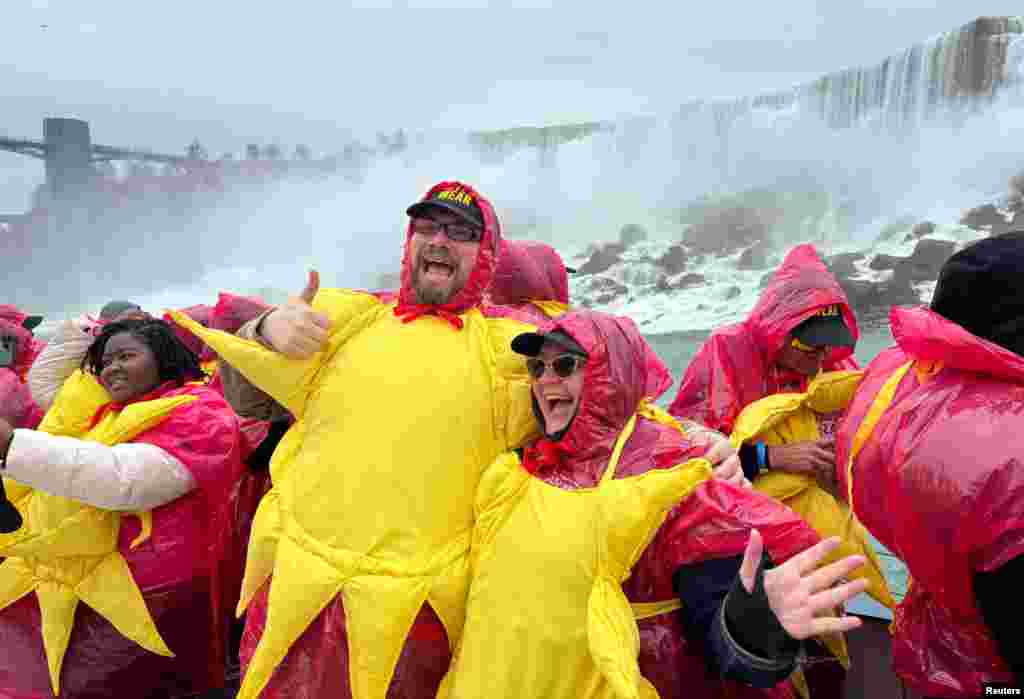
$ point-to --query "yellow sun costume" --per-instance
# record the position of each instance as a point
(599, 533)
(378, 508)
(67, 551)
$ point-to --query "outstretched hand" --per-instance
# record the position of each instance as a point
(802, 597)
(295, 329)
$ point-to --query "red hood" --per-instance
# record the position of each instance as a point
(736, 365)
(12, 314)
(529, 271)
(801, 286)
(621, 370)
(925, 335)
(11, 324)
(231, 313)
(472, 293)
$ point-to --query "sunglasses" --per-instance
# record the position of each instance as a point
(456, 232)
(564, 366)
(808, 349)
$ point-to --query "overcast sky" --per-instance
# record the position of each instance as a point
(157, 73)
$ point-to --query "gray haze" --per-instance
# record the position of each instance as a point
(228, 72)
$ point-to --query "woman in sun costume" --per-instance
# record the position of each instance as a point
(613, 508)
(145, 557)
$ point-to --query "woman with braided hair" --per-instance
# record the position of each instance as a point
(124, 495)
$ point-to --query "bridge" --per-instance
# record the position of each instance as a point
(69, 154)
(39, 149)
(59, 134)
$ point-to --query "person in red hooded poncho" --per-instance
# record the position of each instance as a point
(801, 325)
(931, 455)
(528, 274)
(181, 470)
(18, 350)
(594, 378)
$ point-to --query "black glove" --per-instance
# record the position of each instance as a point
(751, 621)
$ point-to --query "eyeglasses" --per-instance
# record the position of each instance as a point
(457, 232)
(807, 349)
(564, 366)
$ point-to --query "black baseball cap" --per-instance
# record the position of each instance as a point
(825, 328)
(529, 344)
(457, 200)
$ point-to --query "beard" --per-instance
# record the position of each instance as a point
(429, 294)
(432, 295)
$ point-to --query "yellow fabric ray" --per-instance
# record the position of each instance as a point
(57, 605)
(112, 593)
(372, 656)
(303, 585)
(261, 553)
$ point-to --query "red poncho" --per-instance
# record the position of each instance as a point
(939, 481)
(736, 365)
(713, 522)
(529, 271)
(230, 313)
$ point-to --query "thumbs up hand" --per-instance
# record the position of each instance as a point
(295, 329)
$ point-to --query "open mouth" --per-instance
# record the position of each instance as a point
(558, 404)
(437, 269)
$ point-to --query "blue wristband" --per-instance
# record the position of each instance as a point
(761, 455)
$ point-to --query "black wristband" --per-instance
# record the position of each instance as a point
(748, 461)
(751, 621)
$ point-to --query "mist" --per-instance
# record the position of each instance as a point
(891, 163)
